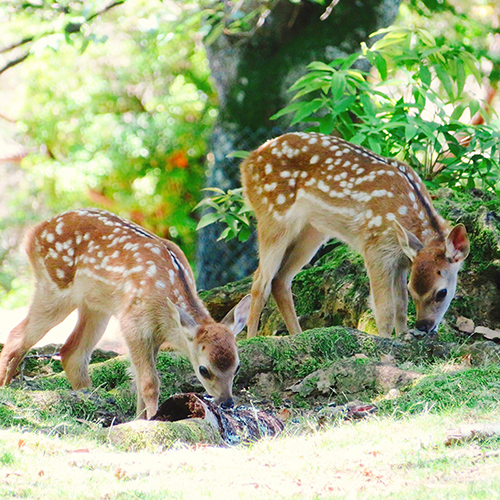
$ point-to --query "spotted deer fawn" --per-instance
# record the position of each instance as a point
(103, 265)
(308, 187)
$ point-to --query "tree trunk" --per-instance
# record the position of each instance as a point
(252, 73)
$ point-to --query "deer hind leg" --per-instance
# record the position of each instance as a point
(272, 249)
(143, 347)
(46, 311)
(299, 253)
(77, 349)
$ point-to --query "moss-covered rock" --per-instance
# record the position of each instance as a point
(156, 436)
(355, 378)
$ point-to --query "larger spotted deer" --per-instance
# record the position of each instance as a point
(103, 265)
(308, 187)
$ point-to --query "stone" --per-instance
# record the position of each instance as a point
(487, 333)
(465, 325)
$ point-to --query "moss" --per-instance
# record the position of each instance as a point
(474, 388)
(111, 374)
(297, 356)
(174, 371)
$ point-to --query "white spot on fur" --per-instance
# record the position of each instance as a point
(375, 221)
(403, 210)
(268, 168)
(314, 159)
(322, 186)
(390, 216)
(281, 199)
(60, 274)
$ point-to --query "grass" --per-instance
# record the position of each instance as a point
(397, 454)
(379, 458)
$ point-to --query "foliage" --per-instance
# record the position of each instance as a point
(229, 208)
(412, 111)
(117, 107)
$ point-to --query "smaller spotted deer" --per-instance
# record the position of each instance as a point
(103, 265)
(306, 188)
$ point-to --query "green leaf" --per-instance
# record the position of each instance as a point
(460, 79)
(238, 154)
(444, 78)
(338, 86)
(320, 66)
(458, 112)
(208, 219)
(474, 107)
(306, 110)
(426, 37)
(288, 109)
(381, 65)
(425, 75)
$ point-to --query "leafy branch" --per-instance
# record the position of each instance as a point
(72, 26)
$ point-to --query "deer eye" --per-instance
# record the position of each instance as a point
(204, 372)
(441, 295)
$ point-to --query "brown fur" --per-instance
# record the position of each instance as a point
(306, 188)
(103, 265)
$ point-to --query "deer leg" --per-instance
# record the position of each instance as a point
(143, 352)
(272, 249)
(401, 299)
(77, 349)
(46, 311)
(297, 255)
(382, 293)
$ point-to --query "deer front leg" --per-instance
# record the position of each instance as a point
(382, 293)
(401, 299)
(143, 352)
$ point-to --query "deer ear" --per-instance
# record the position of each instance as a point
(236, 318)
(409, 243)
(457, 244)
(181, 319)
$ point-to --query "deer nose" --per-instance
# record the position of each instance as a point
(229, 403)
(424, 325)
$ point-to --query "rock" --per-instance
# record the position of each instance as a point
(487, 333)
(350, 378)
(465, 325)
(154, 435)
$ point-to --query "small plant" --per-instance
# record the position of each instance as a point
(230, 208)
(410, 105)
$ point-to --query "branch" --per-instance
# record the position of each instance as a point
(70, 28)
(105, 9)
(14, 62)
(17, 44)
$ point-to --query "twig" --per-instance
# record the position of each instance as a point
(329, 9)
(17, 44)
